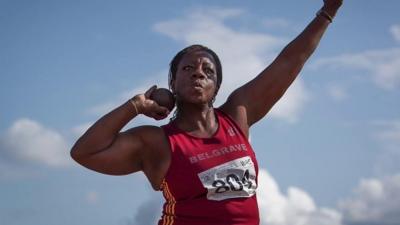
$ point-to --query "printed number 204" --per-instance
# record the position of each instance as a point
(232, 182)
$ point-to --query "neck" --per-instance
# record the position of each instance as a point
(197, 120)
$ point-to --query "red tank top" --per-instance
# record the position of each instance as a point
(210, 181)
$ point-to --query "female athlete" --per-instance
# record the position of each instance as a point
(201, 160)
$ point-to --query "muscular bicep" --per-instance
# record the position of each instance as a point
(123, 156)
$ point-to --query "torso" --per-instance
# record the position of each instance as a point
(203, 173)
(158, 157)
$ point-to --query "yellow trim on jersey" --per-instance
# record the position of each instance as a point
(168, 217)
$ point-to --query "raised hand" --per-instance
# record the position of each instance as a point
(331, 6)
(148, 107)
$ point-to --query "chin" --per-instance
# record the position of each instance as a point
(196, 100)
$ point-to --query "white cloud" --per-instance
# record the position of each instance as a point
(28, 141)
(92, 197)
(80, 129)
(149, 212)
(160, 79)
(375, 201)
(297, 208)
(292, 103)
(383, 65)
(390, 131)
(243, 54)
(395, 31)
(387, 132)
(276, 23)
(337, 93)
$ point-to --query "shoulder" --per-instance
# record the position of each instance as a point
(237, 114)
(148, 134)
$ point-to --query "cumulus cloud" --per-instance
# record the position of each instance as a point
(387, 133)
(149, 212)
(276, 23)
(395, 31)
(92, 197)
(159, 79)
(390, 131)
(80, 129)
(383, 65)
(336, 92)
(375, 201)
(29, 141)
(291, 104)
(243, 54)
(295, 208)
(282, 25)
(276, 208)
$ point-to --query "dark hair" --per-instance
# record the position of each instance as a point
(173, 66)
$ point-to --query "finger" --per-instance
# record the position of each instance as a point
(161, 110)
(159, 116)
(148, 92)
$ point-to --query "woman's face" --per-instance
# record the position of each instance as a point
(196, 78)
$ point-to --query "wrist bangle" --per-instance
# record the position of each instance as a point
(324, 14)
(134, 106)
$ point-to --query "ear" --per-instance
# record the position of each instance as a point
(172, 86)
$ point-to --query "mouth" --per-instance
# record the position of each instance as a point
(197, 88)
(197, 85)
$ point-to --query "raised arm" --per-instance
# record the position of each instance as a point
(105, 149)
(253, 101)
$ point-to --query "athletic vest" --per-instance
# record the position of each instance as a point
(210, 181)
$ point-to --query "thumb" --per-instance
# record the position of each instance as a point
(147, 94)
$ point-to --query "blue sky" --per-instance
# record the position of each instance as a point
(329, 150)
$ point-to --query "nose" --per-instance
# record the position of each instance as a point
(198, 73)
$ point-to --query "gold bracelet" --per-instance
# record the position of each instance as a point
(134, 105)
(325, 14)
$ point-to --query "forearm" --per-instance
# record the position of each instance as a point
(102, 133)
(270, 85)
(301, 48)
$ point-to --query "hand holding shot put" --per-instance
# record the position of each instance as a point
(201, 159)
(154, 103)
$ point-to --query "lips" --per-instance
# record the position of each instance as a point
(197, 85)
(196, 88)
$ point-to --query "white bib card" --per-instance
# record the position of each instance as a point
(233, 179)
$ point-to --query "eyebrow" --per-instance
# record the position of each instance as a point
(208, 63)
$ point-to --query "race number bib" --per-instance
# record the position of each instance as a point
(234, 179)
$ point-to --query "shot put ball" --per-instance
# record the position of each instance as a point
(163, 97)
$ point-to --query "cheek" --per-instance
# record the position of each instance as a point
(211, 89)
(176, 84)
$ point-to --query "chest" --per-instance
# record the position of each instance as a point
(214, 168)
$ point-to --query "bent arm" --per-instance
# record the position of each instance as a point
(105, 149)
(251, 102)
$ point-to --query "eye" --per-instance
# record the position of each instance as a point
(187, 68)
(209, 71)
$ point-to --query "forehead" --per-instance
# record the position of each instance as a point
(195, 57)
